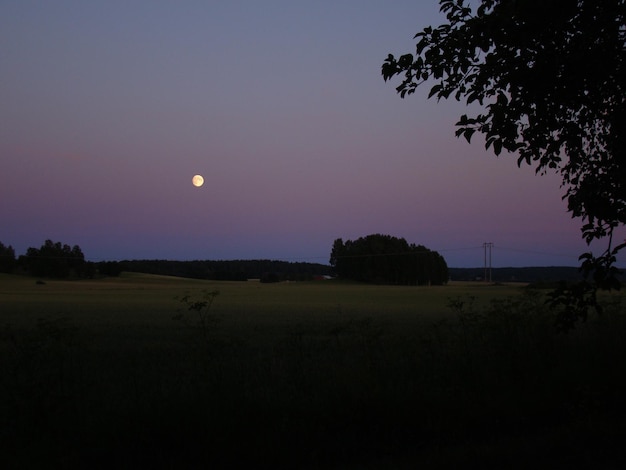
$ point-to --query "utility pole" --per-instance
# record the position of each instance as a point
(487, 248)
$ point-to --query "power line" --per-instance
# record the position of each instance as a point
(487, 246)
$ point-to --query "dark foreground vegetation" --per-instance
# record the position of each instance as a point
(483, 384)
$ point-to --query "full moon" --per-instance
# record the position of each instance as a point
(197, 180)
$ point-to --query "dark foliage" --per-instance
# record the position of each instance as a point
(229, 270)
(551, 76)
(538, 274)
(493, 388)
(269, 278)
(56, 260)
(7, 258)
(384, 259)
(109, 268)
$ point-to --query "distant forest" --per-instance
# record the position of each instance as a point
(276, 271)
(231, 270)
(528, 274)
(56, 260)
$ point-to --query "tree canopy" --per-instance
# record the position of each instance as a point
(56, 260)
(383, 259)
(7, 258)
(549, 77)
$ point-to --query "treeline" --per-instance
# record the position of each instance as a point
(62, 261)
(380, 259)
(230, 270)
(51, 260)
(536, 274)
(383, 259)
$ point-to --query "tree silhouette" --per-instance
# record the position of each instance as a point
(56, 260)
(550, 77)
(7, 258)
(383, 259)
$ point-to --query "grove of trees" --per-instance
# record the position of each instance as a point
(7, 258)
(56, 260)
(383, 259)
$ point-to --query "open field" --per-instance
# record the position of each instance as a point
(156, 294)
(119, 373)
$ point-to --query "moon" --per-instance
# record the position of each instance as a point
(197, 181)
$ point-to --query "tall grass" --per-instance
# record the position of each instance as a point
(309, 376)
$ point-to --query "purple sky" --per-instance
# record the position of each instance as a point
(107, 110)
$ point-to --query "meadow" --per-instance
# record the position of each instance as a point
(152, 371)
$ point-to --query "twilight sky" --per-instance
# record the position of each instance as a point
(107, 110)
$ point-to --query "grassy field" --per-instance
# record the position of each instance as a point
(119, 373)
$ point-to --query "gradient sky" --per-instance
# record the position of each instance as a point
(108, 108)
